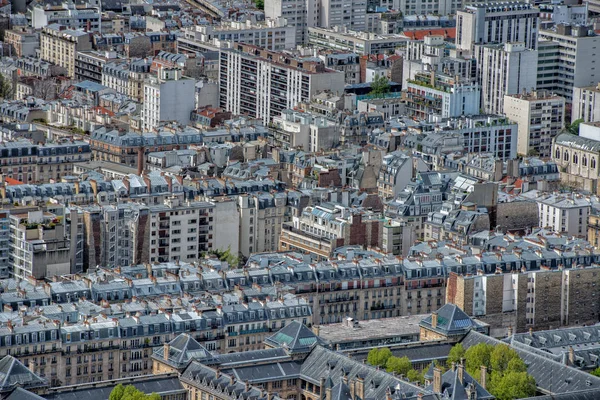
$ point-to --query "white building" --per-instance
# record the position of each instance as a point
(341, 38)
(565, 213)
(497, 22)
(273, 34)
(307, 131)
(67, 14)
(349, 13)
(261, 83)
(504, 69)
(300, 14)
(261, 217)
(586, 103)
(540, 116)
(168, 97)
(568, 57)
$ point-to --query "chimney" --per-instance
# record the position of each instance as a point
(166, 351)
(140, 160)
(31, 366)
(316, 329)
(453, 366)
(246, 386)
(434, 319)
(360, 387)
(322, 384)
(388, 394)
(76, 185)
(530, 331)
(483, 379)
(437, 380)
(461, 371)
(571, 356)
(510, 331)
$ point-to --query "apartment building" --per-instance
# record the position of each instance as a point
(44, 244)
(438, 94)
(273, 34)
(59, 46)
(261, 84)
(21, 42)
(351, 14)
(504, 69)
(319, 230)
(342, 38)
(32, 163)
(68, 14)
(577, 157)
(356, 127)
(567, 59)
(168, 97)
(497, 22)
(562, 212)
(296, 129)
(90, 64)
(540, 116)
(549, 298)
(586, 104)
(299, 14)
(395, 173)
(127, 76)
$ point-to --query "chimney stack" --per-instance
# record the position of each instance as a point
(166, 351)
(461, 371)
(437, 380)
(434, 319)
(571, 355)
(140, 160)
(483, 377)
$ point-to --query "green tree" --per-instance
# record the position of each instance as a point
(226, 255)
(130, 392)
(415, 376)
(399, 365)
(457, 353)
(379, 357)
(596, 372)
(380, 86)
(573, 127)
(476, 356)
(513, 385)
(5, 88)
(260, 4)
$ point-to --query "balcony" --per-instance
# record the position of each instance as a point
(382, 307)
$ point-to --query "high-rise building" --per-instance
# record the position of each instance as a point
(300, 14)
(503, 69)
(540, 116)
(261, 83)
(568, 57)
(497, 22)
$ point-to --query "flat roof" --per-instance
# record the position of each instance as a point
(371, 329)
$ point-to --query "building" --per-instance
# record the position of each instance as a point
(168, 97)
(347, 39)
(59, 46)
(296, 129)
(497, 22)
(442, 95)
(504, 69)
(261, 84)
(127, 77)
(299, 14)
(90, 64)
(586, 103)
(578, 158)
(562, 212)
(22, 42)
(352, 14)
(68, 14)
(395, 173)
(319, 230)
(566, 59)
(540, 116)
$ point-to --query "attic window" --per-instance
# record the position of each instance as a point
(572, 337)
(556, 338)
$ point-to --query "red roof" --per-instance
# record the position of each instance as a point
(448, 33)
(12, 182)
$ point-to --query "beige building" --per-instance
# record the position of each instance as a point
(540, 116)
(22, 42)
(59, 46)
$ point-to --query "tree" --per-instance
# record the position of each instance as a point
(596, 372)
(130, 392)
(476, 356)
(6, 90)
(380, 86)
(513, 385)
(457, 353)
(260, 4)
(379, 357)
(399, 365)
(573, 127)
(227, 256)
(415, 376)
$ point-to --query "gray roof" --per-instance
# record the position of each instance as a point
(13, 373)
(294, 337)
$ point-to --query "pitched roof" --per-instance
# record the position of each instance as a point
(456, 389)
(451, 320)
(294, 337)
(22, 394)
(13, 373)
(182, 350)
(341, 391)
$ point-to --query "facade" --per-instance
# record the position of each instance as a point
(497, 22)
(168, 97)
(347, 39)
(586, 104)
(67, 14)
(395, 173)
(89, 65)
(566, 213)
(261, 84)
(295, 129)
(127, 77)
(22, 42)
(540, 116)
(566, 59)
(504, 69)
(60, 46)
(299, 14)
(338, 13)
(442, 95)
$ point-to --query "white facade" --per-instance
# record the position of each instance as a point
(586, 104)
(169, 98)
(68, 15)
(504, 69)
(563, 213)
(349, 13)
(304, 130)
(540, 116)
(568, 57)
(299, 14)
(497, 22)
